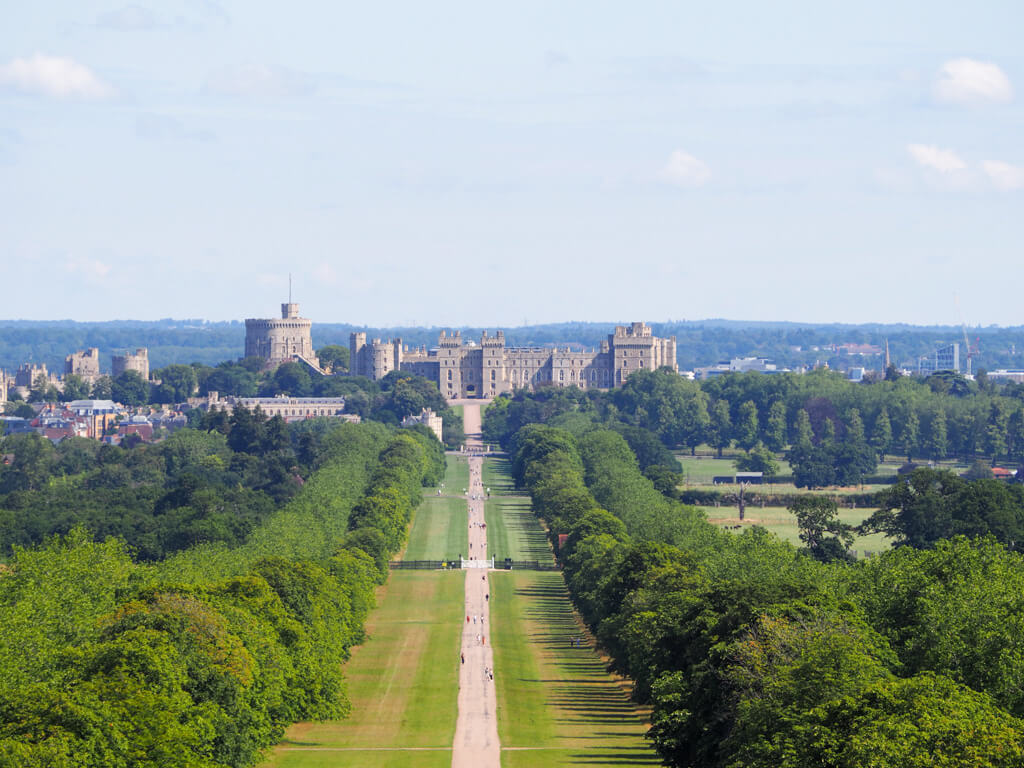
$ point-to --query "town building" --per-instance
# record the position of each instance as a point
(288, 408)
(137, 361)
(487, 369)
(945, 358)
(428, 417)
(281, 340)
(84, 364)
(740, 365)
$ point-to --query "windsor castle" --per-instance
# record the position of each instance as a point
(468, 368)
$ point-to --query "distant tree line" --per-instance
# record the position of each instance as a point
(753, 653)
(700, 342)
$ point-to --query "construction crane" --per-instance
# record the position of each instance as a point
(970, 351)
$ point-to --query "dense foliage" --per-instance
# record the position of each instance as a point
(205, 658)
(753, 653)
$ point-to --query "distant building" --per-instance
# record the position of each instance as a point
(27, 374)
(740, 365)
(137, 361)
(1012, 374)
(468, 369)
(288, 408)
(428, 417)
(85, 364)
(281, 341)
(945, 358)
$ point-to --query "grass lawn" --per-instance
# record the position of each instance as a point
(556, 704)
(403, 684)
(512, 528)
(498, 476)
(456, 475)
(780, 521)
(439, 530)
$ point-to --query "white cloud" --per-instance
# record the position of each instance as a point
(53, 76)
(260, 81)
(685, 170)
(968, 81)
(90, 268)
(1003, 175)
(942, 160)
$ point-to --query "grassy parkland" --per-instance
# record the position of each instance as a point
(456, 475)
(557, 705)
(403, 684)
(439, 530)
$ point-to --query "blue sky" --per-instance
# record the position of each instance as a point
(457, 163)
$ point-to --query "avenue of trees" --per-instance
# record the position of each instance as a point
(753, 653)
(203, 659)
(832, 431)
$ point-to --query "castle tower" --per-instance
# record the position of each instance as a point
(279, 341)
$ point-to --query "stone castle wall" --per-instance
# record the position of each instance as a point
(137, 361)
(468, 369)
(280, 340)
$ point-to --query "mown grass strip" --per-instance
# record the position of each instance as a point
(456, 475)
(557, 706)
(403, 683)
(439, 530)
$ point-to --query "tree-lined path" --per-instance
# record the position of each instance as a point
(557, 705)
(416, 704)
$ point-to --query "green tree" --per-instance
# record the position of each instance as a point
(74, 387)
(42, 391)
(102, 388)
(291, 379)
(937, 442)
(802, 428)
(746, 430)
(996, 430)
(881, 435)
(910, 437)
(719, 434)
(177, 383)
(775, 430)
(828, 431)
(334, 358)
(826, 537)
(129, 388)
(758, 459)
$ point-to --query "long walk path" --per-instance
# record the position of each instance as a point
(476, 729)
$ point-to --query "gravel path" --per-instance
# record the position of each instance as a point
(476, 730)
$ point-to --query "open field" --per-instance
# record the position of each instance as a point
(403, 683)
(512, 528)
(497, 476)
(780, 521)
(456, 474)
(556, 704)
(700, 470)
(438, 530)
